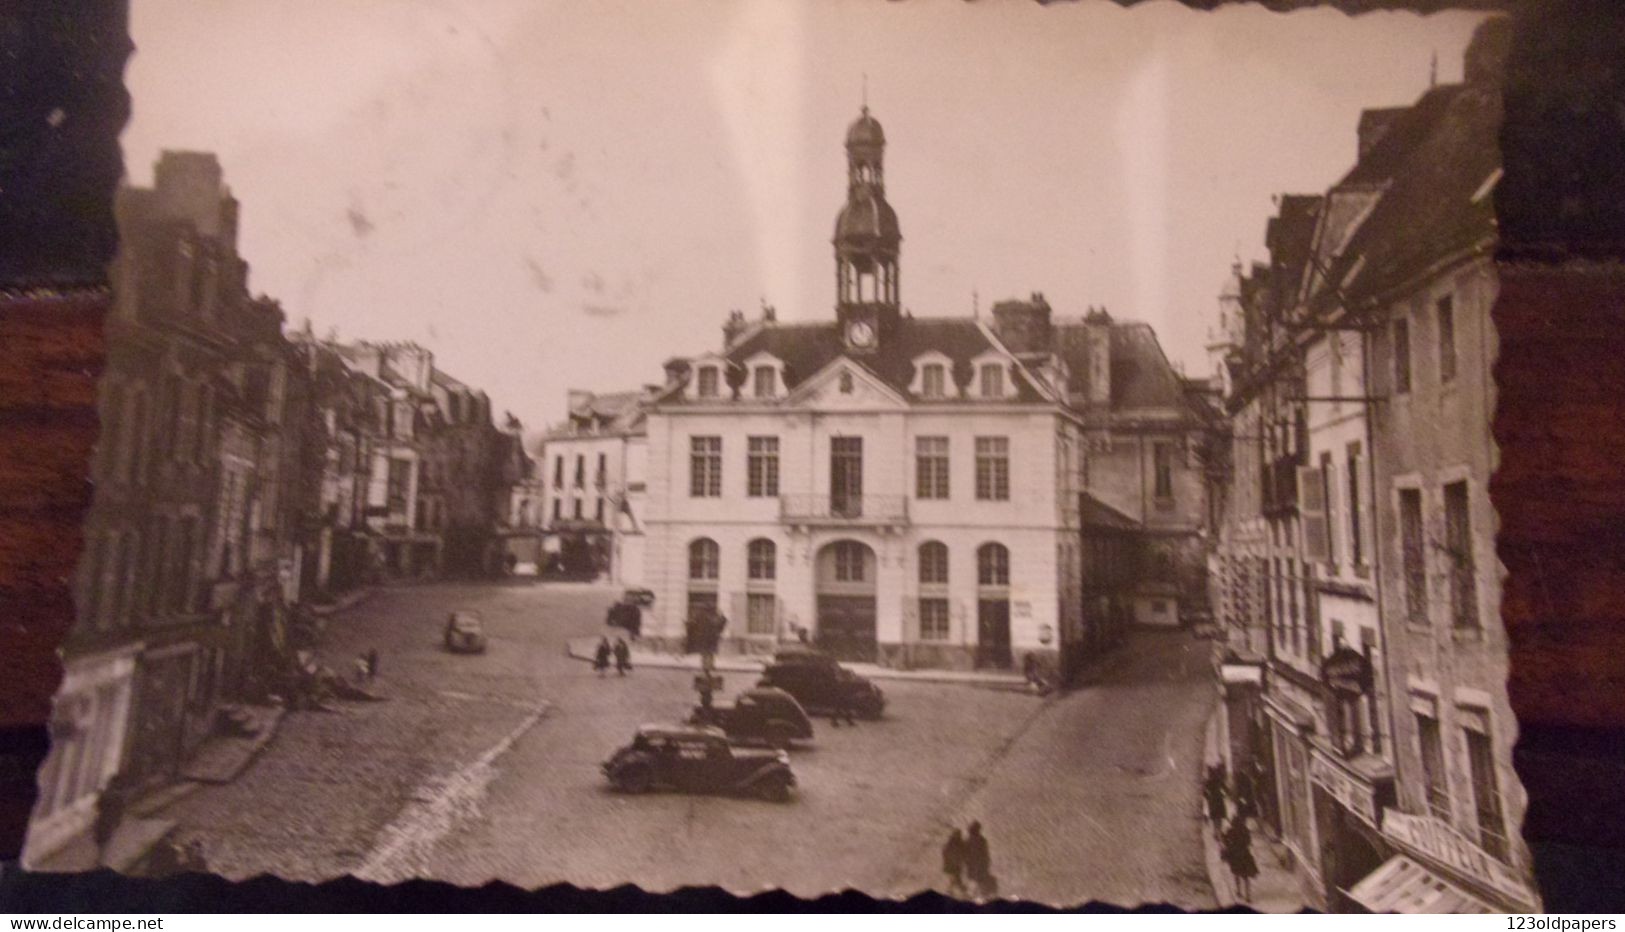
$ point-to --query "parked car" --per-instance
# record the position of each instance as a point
(643, 598)
(771, 716)
(821, 684)
(465, 633)
(698, 759)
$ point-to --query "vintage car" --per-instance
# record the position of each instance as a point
(465, 633)
(698, 759)
(821, 684)
(771, 716)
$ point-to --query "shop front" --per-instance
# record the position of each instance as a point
(1435, 869)
(1349, 796)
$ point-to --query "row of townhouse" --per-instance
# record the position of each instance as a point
(1355, 572)
(239, 473)
(917, 491)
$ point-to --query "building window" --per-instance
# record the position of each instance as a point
(1294, 626)
(1486, 794)
(1412, 556)
(993, 469)
(931, 467)
(1326, 477)
(1459, 545)
(934, 380)
(1162, 456)
(933, 619)
(763, 560)
(601, 477)
(1433, 772)
(399, 482)
(558, 472)
(558, 507)
(761, 613)
(705, 467)
(703, 559)
(1356, 548)
(1402, 355)
(992, 565)
(933, 563)
(577, 509)
(598, 510)
(762, 467)
(766, 381)
(708, 382)
(1447, 338)
(849, 561)
(992, 375)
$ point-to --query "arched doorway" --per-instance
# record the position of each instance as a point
(993, 606)
(846, 600)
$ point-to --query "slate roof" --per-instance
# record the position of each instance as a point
(1141, 376)
(622, 410)
(1428, 211)
(1404, 133)
(806, 348)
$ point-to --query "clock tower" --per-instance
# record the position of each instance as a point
(866, 243)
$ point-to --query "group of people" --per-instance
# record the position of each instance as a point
(621, 652)
(1236, 838)
(968, 864)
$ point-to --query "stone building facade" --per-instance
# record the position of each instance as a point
(595, 485)
(1373, 716)
(911, 490)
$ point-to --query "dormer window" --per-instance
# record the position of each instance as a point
(991, 375)
(764, 381)
(934, 380)
(710, 381)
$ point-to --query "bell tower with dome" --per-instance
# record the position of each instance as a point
(866, 243)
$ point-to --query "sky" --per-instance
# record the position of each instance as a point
(557, 195)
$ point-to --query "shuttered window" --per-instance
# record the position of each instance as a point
(1312, 513)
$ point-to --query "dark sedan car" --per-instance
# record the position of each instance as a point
(465, 633)
(771, 716)
(822, 685)
(698, 759)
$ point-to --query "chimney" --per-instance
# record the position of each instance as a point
(189, 187)
(1486, 55)
(1023, 326)
(733, 328)
(1374, 124)
(1099, 328)
(676, 370)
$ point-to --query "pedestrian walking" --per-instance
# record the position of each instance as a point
(953, 862)
(1213, 794)
(979, 862)
(841, 710)
(110, 806)
(623, 657)
(600, 657)
(1237, 853)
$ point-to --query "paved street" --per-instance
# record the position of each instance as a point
(486, 767)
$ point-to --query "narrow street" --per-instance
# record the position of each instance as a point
(482, 767)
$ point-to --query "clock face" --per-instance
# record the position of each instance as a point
(861, 333)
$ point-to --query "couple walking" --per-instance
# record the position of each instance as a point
(1235, 841)
(965, 857)
(621, 652)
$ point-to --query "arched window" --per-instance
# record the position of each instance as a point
(992, 565)
(933, 563)
(761, 604)
(703, 559)
(763, 560)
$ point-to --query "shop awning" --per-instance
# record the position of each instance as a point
(1404, 886)
(1245, 673)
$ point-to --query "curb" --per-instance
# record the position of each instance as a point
(582, 648)
(343, 603)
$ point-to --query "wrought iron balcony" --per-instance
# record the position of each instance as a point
(844, 510)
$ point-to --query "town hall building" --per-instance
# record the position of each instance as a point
(916, 491)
